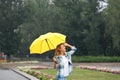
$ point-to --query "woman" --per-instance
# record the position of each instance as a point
(62, 60)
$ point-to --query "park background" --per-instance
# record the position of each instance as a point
(93, 26)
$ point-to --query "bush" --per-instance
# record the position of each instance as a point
(95, 59)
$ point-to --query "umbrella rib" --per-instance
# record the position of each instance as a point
(41, 47)
(47, 43)
(50, 42)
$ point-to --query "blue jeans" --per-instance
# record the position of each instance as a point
(61, 78)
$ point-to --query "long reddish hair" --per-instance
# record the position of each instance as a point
(58, 50)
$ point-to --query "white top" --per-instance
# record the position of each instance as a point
(65, 62)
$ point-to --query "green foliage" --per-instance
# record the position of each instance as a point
(12, 15)
(95, 59)
(86, 27)
(112, 28)
(92, 31)
(40, 22)
(83, 25)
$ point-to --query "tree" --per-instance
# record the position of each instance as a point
(83, 24)
(42, 20)
(112, 30)
(86, 24)
(12, 15)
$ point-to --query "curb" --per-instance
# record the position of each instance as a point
(29, 77)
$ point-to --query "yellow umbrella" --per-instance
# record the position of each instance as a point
(46, 42)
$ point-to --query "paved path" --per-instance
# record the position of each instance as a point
(7, 74)
(10, 72)
(112, 66)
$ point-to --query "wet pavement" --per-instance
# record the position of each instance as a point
(7, 74)
(10, 72)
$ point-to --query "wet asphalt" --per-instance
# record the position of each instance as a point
(8, 74)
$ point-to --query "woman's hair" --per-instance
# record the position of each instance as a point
(57, 50)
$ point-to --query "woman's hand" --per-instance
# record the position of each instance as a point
(66, 44)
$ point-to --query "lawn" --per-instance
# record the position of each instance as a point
(83, 74)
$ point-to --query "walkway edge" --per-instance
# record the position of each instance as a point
(29, 77)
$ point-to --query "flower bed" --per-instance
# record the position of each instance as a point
(21, 62)
(37, 74)
(100, 69)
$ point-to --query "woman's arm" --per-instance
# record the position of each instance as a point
(73, 48)
(68, 45)
(55, 62)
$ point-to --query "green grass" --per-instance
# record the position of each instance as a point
(82, 74)
(82, 59)
(95, 59)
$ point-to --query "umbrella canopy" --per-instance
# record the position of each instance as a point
(46, 42)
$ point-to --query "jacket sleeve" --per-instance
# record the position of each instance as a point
(73, 49)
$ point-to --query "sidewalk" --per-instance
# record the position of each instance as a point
(14, 74)
(7, 74)
(111, 66)
(29, 77)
